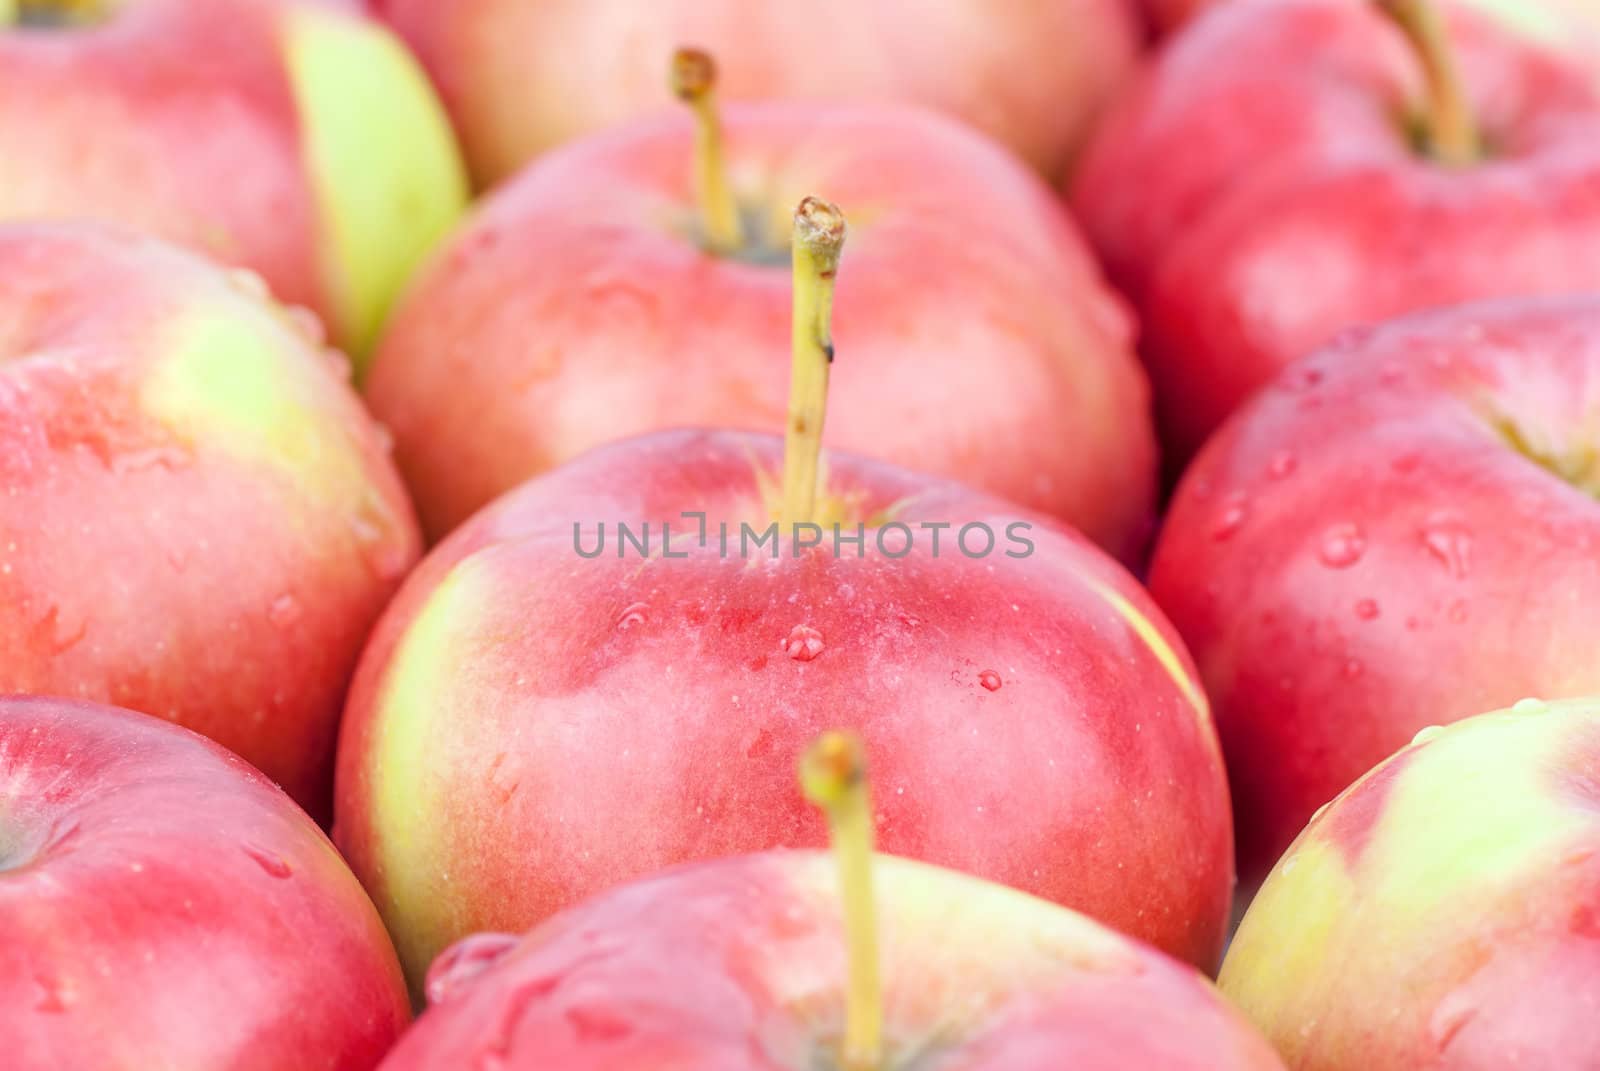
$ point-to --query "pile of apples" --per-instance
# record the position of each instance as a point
(590, 535)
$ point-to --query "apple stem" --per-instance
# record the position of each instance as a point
(1452, 132)
(694, 81)
(818, 237)
(833, 775)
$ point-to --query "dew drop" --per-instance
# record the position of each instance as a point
(249, 283)
(1367, 609)
(307, 324)
(1342, 546)
(1427, 733)
(1229, 520)
(635, 614)
(1282, 465)
(990, 680)
(1449, 1017)
(464, 961)
(1353, 668)
(1530, 705)
(803, 643)
(285, 612)
(272, 864)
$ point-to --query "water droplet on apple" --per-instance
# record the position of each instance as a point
(1530, 705)
(285, 611)
(1353, 668)
(464, 961)
(1450, 1015)
(803, 643)
(1342, 546)
(1427, 733)
(1282, 465)
(1450, 543)
(249, 283)
(1230, 519)
(171, 458)
(376, 534)
(1367, 609)
(305, 323)
(635, 614)
(990, 680)
(1320, 811)
(271, 863)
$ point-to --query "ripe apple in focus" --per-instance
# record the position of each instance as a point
(1402, 530)
(163, 906)
(1445, 910)
(522, 76)
(1292, 168)
(197, 517)
(297, 139)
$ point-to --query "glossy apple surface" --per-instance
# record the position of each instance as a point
(163, 906)
(1255, 209)
(738, 964)
(1035, 720)
(197, 518)
(1399, 532)
(976, 339)
(521, 76)
(1443, 912)
(298, 139)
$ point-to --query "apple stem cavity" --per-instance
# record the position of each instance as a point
(694, 81)
(819, 230)
(833, 775)
(1452, 133)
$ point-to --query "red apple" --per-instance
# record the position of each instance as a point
(1400, 532)
(297, 139)
(163, 906)
(584, 304)
(521, 76)
(197, 519)
(1445, 911)
(738, 964)
(1283, 174)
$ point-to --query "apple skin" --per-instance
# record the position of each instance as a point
(726, 966)
(197, 518)
(327, 164)
(163, 906)
(1382, 511)
(1253, 210)
(976, 338)
(522, 76)
(1444, 911)
(1032, 720)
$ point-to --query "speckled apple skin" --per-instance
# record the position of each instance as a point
(197, 518)
(1401, 531)
(975, 336)
(529, 727)
(1444, 912)
(738, 965)
(1259, 192)
(162, 905)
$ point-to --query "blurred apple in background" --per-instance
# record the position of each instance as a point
(527, 717)
(197, 518)
(635, 281)
(1290, 168)
(1445, 911)
(298, 139)
(772, 961)
(1401, 531)
(163, 906)
(522, 76)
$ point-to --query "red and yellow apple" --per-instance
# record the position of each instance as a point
(522, 76)
(737, 964)
(1401, 531)
(197, 518)
(1293, 168)
(1445, 911)
(163, 906)
(584, 303)
(294, 138)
